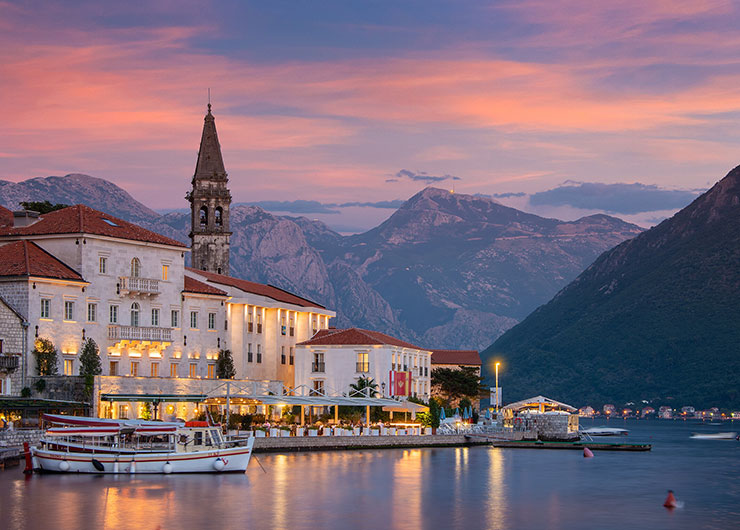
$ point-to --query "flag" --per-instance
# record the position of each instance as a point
(400, 383)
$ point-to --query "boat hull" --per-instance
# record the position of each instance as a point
(234, 459)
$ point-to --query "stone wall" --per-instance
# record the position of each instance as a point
(15, 438)
(61, 387)
(332, 443)
(12, 332)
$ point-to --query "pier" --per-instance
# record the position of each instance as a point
(340, 443)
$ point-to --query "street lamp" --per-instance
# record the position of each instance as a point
(382, 387)
(497, 405)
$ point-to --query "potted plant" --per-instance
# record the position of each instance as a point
(375, 431)
(300, 431)
(274, 432)
(284, 431)
(313, 430)
(260, 432)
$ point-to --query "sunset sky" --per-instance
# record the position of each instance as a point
(343, 101)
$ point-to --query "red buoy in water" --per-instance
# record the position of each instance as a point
(670, 501)
(587, 453)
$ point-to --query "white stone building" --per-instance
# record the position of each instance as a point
(334, 359)
(78, 273)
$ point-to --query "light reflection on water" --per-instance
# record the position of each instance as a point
(416, 488)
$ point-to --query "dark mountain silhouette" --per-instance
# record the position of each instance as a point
(654, 318)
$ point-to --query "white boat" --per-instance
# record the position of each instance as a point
(94, 445)
(605, 431)
(714, 436)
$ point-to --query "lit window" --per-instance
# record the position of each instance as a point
(363, 362)
(69, 310)
(211, 320)
(92, 312)
(175, 318)
(259, 353)
(173, 369)
(45, 308)
(292, 324)
(113, 314)
(114, 368)
(165, 272)
(211, 371)
(194, 319)
(135, 368)
(250, 317)
(103, 265)
(155, 369)
(318, 387)
(283, 330)
(193, 370)
(259, 322)
(69, 366)
(155, 317)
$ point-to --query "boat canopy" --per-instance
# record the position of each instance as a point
(81, 421)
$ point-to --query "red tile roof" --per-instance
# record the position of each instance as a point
(463, 357)
(354, 337)
(81, 219)
(194, 286)
(6, 216)
(25, 258)
(270, 291)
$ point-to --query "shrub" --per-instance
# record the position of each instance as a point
(46, 357)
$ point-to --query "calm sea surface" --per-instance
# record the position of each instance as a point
(477, 487)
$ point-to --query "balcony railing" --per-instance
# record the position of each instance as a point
(140, 333)
(130, 284)
(363, 367)
(317, 367)
(9, 362)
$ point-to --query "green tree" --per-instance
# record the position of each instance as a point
(90, 365)
(225, 365)
(359, 388)
(90, 359)
(456, 384)
(42, 206)
(46, 357)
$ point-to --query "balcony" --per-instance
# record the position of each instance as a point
(135, 336)
(9, 362)
(134, 285)
(317, 367)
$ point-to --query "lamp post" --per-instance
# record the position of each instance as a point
(497, 405)
(382, 388)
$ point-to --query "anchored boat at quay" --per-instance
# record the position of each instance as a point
(95, 445)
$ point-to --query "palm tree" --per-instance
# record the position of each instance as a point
(365, 386)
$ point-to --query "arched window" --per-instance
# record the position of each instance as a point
(135, 268)
(203, 216)
(218, 216)
(135, 314)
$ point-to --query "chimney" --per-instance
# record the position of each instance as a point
(23, 218)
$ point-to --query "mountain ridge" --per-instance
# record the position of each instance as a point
(448, 270)
(653, 318)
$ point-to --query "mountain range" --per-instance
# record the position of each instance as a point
(655, 318)
(445, 270)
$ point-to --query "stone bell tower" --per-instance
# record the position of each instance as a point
(209, 204)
